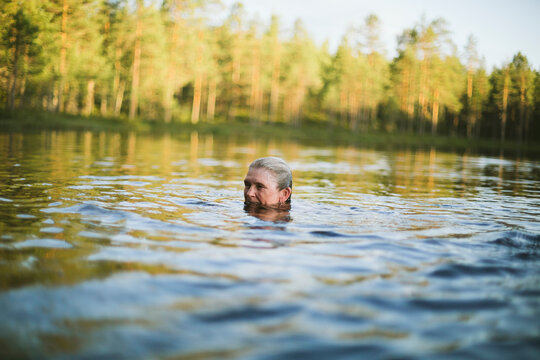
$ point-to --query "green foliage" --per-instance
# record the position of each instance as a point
(20, 48)
(171, 61)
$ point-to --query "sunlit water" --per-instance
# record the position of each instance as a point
(131, 246)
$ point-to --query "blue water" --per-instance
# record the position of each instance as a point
(132, 246)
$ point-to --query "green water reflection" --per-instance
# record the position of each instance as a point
(49, 170)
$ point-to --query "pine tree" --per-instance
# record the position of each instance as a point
(404, 75)
(377, 74)
(272, 71)
(19, 35)
(301, 73)
(522, 78)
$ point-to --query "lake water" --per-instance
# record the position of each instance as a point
(136, 246)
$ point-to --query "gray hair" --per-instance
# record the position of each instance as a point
(278, 167)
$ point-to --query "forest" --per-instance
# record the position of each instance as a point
(184, 61)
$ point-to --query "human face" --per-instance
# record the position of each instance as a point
(260, 187)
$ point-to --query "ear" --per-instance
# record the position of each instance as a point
(284, 194)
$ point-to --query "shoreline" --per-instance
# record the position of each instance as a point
(29, 121)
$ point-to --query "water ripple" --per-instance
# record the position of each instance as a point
(136, 247)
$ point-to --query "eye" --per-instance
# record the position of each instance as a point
(260, 186)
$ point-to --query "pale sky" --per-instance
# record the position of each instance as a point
(501, 27)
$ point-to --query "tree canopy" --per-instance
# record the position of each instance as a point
(172, 61)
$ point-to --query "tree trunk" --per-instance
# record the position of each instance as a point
(89, 103)
(170, 83)
(478, 122)
(72, 106)
(373, 115)
(403, 99)
(116, 79)
(421, 118)
(235, 78)
(53, 104)
(504, 105)
(343, 107)
(370, 102)
(471, 130)
(422, 99)
(14, 73)
(470, 120)
(298, 101)
(197, 91)
(353, 111)
(169, 93)
(410, 108)
(63, 57)
(363, 104)
(104, 103)
(521, 109)
(119, 98)
(255, 86)
(211, 103)
(455, 124)
(287, 108)
(22, 86)
(259, 103)
(134, 98)
(435, 114)
(526, 134)
(274, 88)
(115, 98)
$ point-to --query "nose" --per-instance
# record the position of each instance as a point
(251, 192)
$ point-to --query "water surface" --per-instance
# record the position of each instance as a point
(129, 246)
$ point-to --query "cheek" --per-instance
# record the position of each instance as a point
(260, 194)
(272, 195)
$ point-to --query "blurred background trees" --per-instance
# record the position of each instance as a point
(172, 61)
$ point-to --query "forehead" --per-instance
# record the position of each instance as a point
(261, 175)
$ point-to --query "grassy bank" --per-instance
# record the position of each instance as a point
(308, 133)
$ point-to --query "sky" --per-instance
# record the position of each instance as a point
(501, 27)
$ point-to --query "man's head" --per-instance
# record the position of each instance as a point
(268, 182)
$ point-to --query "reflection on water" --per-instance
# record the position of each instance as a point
(128, 246)
(280, 214)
